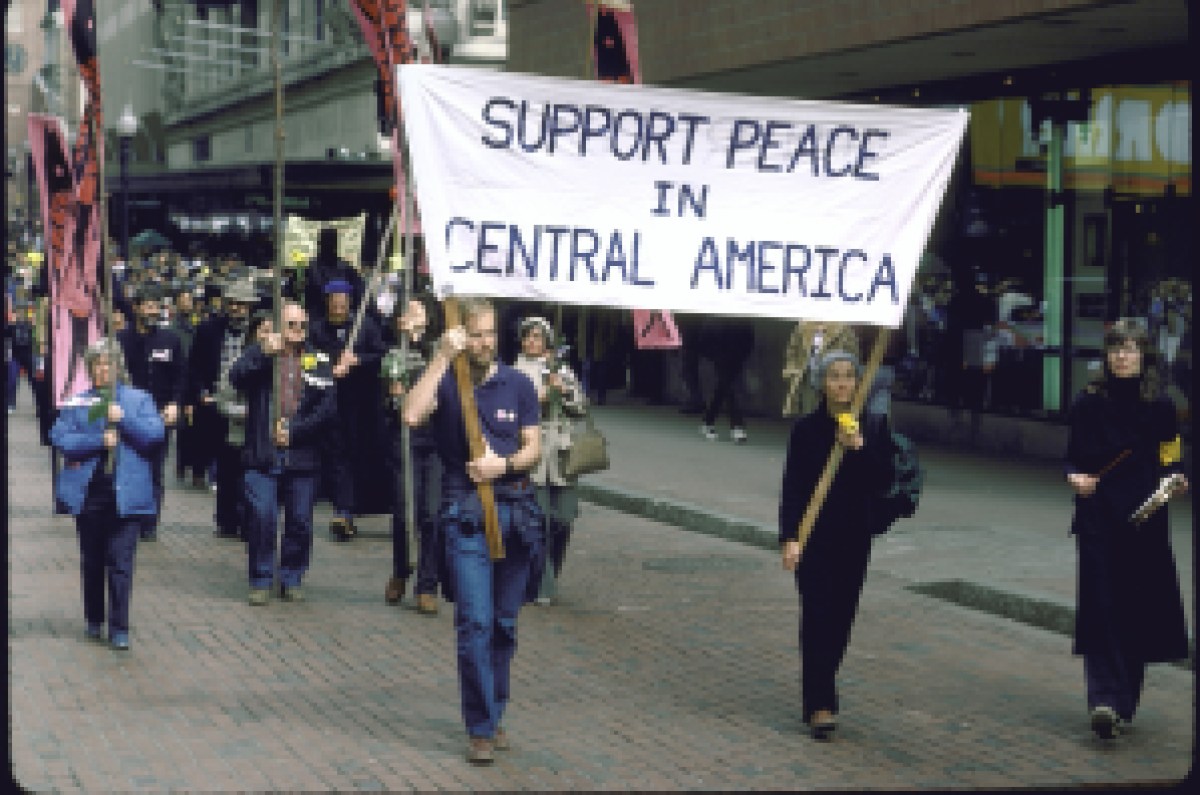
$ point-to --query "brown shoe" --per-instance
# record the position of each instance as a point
(480, 751)
(427, 603)
(822, 724)
(395, 590)
(500, 741)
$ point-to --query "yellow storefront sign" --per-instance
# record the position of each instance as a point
(1136, 141)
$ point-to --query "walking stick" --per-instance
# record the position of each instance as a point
(466, 397)
(835, 455)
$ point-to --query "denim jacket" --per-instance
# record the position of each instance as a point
(81, 442)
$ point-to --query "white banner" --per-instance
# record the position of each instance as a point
(634, 196)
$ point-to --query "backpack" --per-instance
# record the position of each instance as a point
(901, 497)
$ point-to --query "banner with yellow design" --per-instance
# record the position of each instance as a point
(1137, 141)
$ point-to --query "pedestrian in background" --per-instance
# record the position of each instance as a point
(487, 593)
(156, 365)
(109, 507)
(833, 566)
(729, 342)
(353, 442)
(561, 399)
(281, 456)
(1123, 439)
(218, 344)
(398, 375)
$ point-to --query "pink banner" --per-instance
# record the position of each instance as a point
(655, 329)
(614, 43)
(72, 252)
(615, 60)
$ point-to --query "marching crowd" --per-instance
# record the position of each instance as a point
(273, 417)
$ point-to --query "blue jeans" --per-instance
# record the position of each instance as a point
(427, 470)
(264, 492)
(107, 546)
(487, 596)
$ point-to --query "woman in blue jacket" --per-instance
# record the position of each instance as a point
(108, 506)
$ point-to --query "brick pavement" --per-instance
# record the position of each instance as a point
(670, 664)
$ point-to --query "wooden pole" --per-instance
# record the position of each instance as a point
(277, 259)
(110, 460)
(372, 284)
(466, 396)
(835, 455)
(409, 262)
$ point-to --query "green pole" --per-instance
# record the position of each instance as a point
(1053, 286)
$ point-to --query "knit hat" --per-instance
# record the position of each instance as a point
(338, 286)
(831, 356)
(537, 322)
(241, 290)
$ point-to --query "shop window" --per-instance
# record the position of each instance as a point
(202, 149)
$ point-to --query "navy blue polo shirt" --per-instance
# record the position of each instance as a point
(507, 402)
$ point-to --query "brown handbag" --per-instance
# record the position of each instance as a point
(588, 452)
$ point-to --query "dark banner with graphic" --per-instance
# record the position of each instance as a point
(384, 25)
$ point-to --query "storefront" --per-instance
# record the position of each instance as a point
(1071, 208)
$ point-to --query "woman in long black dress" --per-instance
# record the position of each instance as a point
(1123, 440)
(833, 566)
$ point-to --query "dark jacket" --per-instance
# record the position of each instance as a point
(843, 526)
(204, 361)
(155, 363)
(1127, 576)
(252, 374)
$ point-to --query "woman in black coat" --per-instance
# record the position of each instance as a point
(833, 566)
(1123, 440)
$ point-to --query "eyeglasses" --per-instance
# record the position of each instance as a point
(297, 324)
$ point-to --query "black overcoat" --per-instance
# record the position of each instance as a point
(1127, 583)
(841, 537)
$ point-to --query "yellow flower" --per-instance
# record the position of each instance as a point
(308, 361)
(847, 423)
(1170, 452)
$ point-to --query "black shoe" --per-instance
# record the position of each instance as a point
(1105, 722)
(149, 536)
(342, 529)
(227, 532)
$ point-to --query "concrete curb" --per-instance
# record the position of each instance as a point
(680, 514)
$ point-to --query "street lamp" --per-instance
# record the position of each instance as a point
(126, 128)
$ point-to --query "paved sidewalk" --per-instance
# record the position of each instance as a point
(670, 664)
(989, 529)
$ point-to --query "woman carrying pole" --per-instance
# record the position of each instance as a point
(831, 568)
(1123, 441)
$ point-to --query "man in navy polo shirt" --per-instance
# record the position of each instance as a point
(487, 594)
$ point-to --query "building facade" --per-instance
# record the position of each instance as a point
(1071, 205)
(198, 76)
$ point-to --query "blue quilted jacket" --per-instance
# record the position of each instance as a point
(81, 442)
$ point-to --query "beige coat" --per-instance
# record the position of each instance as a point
(556, 428)
(803, 396)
